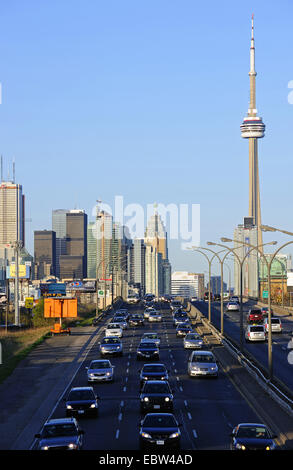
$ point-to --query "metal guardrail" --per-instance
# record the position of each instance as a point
(279, 393)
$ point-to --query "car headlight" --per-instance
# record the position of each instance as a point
(214, 368)
(240, 447)
(45, 448)
(108, 374)
(194, 368)
(167, 399)
(175, 434)
(72, 446)
(93, 405)
(146, 399)
(118, 347)
(69, 407)
(146, 435)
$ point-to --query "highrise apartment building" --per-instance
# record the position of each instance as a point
(12, 213)
(185, 284)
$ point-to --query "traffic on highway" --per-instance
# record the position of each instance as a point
(151, 382)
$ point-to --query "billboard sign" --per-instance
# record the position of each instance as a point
(23, 271)
(60, 308)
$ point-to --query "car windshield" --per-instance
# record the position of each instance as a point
(154, 368)
(275, 320)
(255, 312)
(148, 345)
(56, 430)
(159, 421)
(111, 341)
(257, 328)
(113, 325)
(150, 336)
(192, 336)
(203, 358)
(156, 388)
(254, 432)
(80, 395)
(100, 365)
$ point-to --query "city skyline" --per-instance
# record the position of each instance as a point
(178, 132)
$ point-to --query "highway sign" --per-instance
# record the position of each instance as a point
(265, 294)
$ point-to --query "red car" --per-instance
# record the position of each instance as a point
(255, 316)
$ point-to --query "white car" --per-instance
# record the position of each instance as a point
(100, 370)
(276, 325)
(255, 333)
(233, 306)
(147, 312)
(151, 337)
(202, 363)
(155, 316)
(193, 341)
(114, 329)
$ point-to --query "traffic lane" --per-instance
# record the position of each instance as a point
(211, 407)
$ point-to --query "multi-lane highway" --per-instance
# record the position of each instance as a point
(207, 409)
(282, 368)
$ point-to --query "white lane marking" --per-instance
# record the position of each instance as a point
(120, 417)
(194, 433)
(181, 389)
(117, 433)
(189, 416)
(124, 389)
(122, 404)
(185, 403)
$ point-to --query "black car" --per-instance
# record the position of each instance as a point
(159, 430)
(182, 330)
(60, 434)
(251, 436)
(156, 395)
(147, 350)
(153, 372)
(136, 320)
(82, 401)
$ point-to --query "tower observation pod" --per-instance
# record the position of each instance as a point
(253, 128)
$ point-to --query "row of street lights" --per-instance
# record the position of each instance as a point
(241, 262)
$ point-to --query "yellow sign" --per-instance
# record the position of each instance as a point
(29, 302)
(21, 270)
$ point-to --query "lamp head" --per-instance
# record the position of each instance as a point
(226, 240)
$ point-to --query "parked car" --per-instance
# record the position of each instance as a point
(202, 363)
(250, 436)
(254, 316)
(60, 434)
(100, 370)
(275, 323)
(255, 333)
(159, 431)
(82, 401)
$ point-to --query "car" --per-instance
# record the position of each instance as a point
(235, 298)
(159, 431)
(193, 299)
(113, 329)
(276, 325)
(254, 316)
(217, 297)
(82, 401)
(179, 318)
(156, 395)
(153, 372)
(252, 436)
(136, 320)
(183, 329)
(153, 337)
(121, 321)
(265, 311)
(111, 345)
(147, 350)
(193, 341)
(122, 313)
(60, 434)
(255, 333)
(175, 304)
(100, 370)
(232, 306)
(147, 312)
(202, 363)
(155, 316)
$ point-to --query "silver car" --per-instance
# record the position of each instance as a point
(255, 333)
(153, 337)
(155, 316)
(100, 371)
(276, 325)
(202, 363)
(121, 322)
(114, 329)
(193, 341)
(111, 345)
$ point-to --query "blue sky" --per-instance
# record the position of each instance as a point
(144, 99)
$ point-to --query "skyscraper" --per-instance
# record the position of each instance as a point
(59, 227)
(156, 236)
(44, 253)
(73, 265)
(11, 213)
(252, 129)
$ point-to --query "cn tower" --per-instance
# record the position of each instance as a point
(252, 129)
